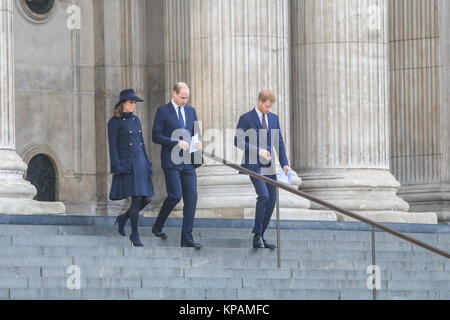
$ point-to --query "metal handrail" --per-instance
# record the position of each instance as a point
(330, 206)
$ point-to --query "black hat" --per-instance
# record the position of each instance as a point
(129, 95)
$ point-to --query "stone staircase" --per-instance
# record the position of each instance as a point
(317, 263)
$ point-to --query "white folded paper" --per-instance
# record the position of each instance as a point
(282, 177)
(194, 140)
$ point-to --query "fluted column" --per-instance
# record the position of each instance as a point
(228, 51)
(340, 98)
(16, 194)
(419, 61)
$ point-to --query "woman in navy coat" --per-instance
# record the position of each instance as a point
(130, 166)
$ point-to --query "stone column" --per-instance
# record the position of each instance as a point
(420, 90)
(227, 51)
(340, 98)
(16, 194)
(121, 62)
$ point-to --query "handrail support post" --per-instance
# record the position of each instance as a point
(373, 265)
(278, 230)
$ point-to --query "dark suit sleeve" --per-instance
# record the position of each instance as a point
(240, 136)
(281, 148)
(113, 131)
(196, 126)
(158, 136)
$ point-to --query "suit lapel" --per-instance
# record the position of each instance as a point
(189, 120)
(256, 120)
(174, 114)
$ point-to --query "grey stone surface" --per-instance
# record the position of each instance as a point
(318, 269)
(73, 77)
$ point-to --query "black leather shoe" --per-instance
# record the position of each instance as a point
(191, 244)
(257, 241)
(159, 233)
(268, 245)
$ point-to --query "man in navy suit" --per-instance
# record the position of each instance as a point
(174, 126)
(258, 133)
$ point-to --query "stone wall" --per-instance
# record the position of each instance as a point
(355, 87)
(54, 69)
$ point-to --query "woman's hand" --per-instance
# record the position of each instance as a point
(120, 170)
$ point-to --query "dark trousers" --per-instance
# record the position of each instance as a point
(265, 203)
(181, 183)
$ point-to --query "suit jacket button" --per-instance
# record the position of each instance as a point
(131, 144)
(131, 131)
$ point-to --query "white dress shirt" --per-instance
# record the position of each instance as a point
(260, 115)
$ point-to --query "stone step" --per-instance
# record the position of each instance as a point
(123, 242)
(305, 263)
(185, 257)
(391, 280)
(219, 283)
(286, 253)
(218, 233)
(241, 273)
(316, 264)
(216, 294)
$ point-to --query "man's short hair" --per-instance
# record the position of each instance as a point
(267, 95)
(179, 86)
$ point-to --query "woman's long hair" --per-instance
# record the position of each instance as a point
(118, 110)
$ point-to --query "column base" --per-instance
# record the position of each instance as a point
(223, 193)
(27, 206)
(249, 213)
(429, 197)
(16, 194)
(368, 192)
(394, 217)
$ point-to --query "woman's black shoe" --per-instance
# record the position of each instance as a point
(121, 220)
(135, 241)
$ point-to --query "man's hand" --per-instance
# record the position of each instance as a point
(198, 146)
(265, 154)
(286, 170)
(183, 145)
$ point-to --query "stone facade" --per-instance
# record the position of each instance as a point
(16, 194)
(337, 67)
(420, 91)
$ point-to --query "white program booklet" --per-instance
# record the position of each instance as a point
(194, 140)
(282, 177)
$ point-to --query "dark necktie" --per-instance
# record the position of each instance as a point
(180, 118)
(264, 124)
(266, 139)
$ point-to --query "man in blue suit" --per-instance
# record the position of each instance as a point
(174, 126)
(258, 133)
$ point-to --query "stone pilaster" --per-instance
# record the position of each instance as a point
(16, 194)
(340, 99)
(419, 65)
(227, 51)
